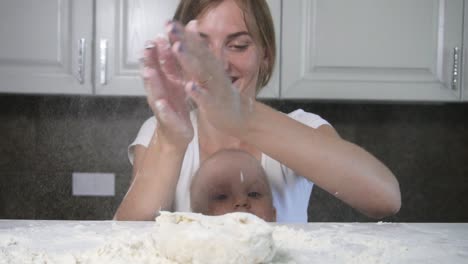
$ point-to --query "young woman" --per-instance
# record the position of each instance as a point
(219, 55)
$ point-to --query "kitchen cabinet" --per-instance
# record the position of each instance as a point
(390, 50)
(40, 49)
(45, 46)
(372, 50)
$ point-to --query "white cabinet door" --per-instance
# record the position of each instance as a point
(126, 25)
(370, 49)
(39, 46)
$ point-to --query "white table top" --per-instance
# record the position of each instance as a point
(326, 242)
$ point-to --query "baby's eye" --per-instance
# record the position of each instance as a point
(220, 197)
(255, 195)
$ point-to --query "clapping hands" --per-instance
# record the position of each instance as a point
(184, 67)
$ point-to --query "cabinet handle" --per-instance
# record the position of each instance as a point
(456, 58)
(82, 61)
(103, 61)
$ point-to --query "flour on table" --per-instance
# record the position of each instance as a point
(183, 238)
(174, 238)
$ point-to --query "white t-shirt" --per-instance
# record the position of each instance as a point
(291, 192)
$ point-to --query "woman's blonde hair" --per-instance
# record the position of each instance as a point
(259, 23)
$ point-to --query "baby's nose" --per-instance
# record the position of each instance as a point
(242, 203)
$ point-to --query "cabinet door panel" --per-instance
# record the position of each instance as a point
(126, 25)
(40, 44)
(370, 49)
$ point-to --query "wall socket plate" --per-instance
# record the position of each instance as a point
(93, 184)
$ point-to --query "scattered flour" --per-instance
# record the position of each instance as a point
(123, 248)
(182, 238)
(175, 238)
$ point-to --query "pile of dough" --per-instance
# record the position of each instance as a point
(231, 238)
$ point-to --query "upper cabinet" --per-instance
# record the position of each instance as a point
(123, 26)
(372, 49)
(45, 46)
(389, 50)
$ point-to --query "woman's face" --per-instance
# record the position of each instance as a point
(224, 31)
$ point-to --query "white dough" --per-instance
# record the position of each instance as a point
(231, 238)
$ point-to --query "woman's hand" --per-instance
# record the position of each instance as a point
(164, 85)
(210, 87)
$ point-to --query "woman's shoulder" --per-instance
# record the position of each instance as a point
(307, 118)
(143, 137)
(149, 124)
(146, 132)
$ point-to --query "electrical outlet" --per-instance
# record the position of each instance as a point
(93, 184)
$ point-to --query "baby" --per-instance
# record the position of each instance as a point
(232, 181)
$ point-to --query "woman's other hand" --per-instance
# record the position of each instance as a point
(164, 85)
(225, 107)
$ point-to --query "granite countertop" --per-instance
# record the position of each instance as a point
(318, 242)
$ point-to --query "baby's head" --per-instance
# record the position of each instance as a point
(232, 181)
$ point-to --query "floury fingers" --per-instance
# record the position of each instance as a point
(149, 45)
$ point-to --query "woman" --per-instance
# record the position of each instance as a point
(220, 61)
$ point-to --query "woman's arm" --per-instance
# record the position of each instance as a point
(157, 168)
(155, 174)
(338, 166)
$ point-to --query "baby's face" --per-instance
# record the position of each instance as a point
(232, 184)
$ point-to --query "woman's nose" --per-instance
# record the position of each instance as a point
(221, 55)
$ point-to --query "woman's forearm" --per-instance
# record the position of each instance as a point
(339, 167)
(154, 185)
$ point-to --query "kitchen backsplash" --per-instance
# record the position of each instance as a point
(44, 139)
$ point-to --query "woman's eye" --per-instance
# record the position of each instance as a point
(220, 197)
(255, 195)
(238, 47)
